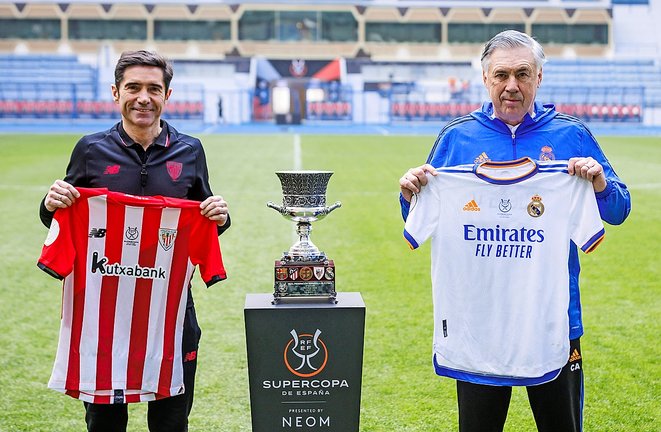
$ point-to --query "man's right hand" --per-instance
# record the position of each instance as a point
(60, 195)
(414, 180)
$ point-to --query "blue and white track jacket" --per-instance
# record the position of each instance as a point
(479, 136)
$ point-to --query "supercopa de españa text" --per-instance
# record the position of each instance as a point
(504, 242)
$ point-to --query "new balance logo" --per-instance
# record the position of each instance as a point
(471, 206)
(575, 356)
(97, 233)
(112, 169)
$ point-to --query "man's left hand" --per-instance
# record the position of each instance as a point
(215, 208)
(589, 169)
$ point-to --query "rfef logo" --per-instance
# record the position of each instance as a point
(305, 355)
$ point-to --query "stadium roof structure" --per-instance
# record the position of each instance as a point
(378, 3)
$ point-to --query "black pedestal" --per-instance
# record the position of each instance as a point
(305, 363)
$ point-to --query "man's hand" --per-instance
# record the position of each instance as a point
(414, 180)
(215, 208)
(589, 169)
(60, 195)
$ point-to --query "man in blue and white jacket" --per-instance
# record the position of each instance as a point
(512, 125)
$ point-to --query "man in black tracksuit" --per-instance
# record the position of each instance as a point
(143, 155)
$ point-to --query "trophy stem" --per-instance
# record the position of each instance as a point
(304, 248)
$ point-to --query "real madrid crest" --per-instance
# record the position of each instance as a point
(536, 208)
(546, 154)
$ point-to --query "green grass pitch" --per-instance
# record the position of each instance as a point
(621, 286)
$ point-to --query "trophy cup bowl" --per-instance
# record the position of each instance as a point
(304, 271)
(303, 202)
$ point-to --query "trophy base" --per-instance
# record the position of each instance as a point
(304, 281)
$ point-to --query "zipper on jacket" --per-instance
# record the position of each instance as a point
(514, 146)
(143, 176)
(144, 158)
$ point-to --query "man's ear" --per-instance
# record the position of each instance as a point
(115, 92)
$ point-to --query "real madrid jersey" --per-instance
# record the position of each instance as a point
(500, 233)
(126, 262)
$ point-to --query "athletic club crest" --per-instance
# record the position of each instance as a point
(166, 238)
(536, 208)
(174, 169)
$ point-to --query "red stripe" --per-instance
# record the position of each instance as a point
(73, 393)
(105, 399)
(140, 318)
(108, 299)
(176, 285)
(80, 277)
(132, 398)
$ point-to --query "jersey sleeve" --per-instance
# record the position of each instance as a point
(58, 253)
(424, 213)
(587, 229)
(205, 250)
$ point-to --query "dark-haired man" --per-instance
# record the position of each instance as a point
(143, 155)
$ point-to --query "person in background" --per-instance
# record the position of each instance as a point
(513, 125)
(143, 155)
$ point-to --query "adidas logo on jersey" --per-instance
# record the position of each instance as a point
(471, 206)
(575, 356)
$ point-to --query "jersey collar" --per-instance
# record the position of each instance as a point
(163, 139)
(507, 172)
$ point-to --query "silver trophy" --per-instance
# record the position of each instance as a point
(304, 271)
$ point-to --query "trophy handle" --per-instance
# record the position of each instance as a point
(326, 210)
(274, 206)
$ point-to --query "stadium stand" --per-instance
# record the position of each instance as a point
(388, 61)
(57, 86)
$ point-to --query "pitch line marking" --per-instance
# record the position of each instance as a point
(298, 155)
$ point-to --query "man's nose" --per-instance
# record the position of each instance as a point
(512, 85)
(143, 96)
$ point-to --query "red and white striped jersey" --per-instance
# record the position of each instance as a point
(127, 262)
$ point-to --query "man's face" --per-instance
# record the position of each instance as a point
(141, 96)
(512, 80)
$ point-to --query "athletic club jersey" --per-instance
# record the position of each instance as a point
(500, 243)
(126, 262)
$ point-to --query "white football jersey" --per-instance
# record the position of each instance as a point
(500, 245)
